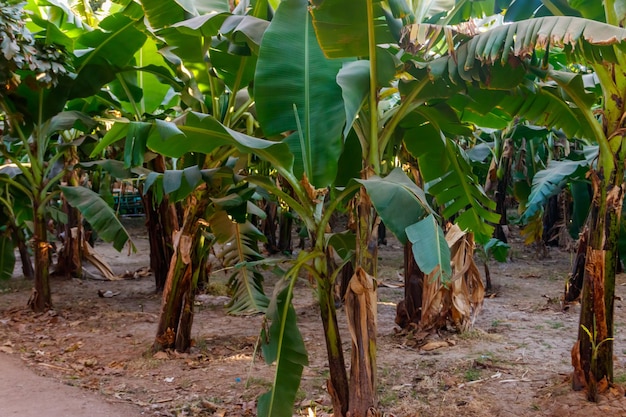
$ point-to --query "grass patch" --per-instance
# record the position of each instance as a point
(471, 375)
(620, 379)
(217, 288)
(387, 397)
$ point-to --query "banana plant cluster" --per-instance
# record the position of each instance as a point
(531, 46)
(188, 94)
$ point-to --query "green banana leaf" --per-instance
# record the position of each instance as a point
(353, 78)
(498, 249)
(398, 201)
(239, 251)
(448, 174)
(342, 31)
(344, 243)
(429, 246)
(282, 344)
(98, 213)
(295, 89)
(104, 50)
(550, 181)
(149, 80)
(202, 133)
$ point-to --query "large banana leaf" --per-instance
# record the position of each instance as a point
(522, 39)
(447, 170)
(103, 51)
(398, 201)
(202, 133)
(343, 31)
(283, 344)
(551, 181)
(430, 249)
(98, 213)
(149, 81)
(296, 90)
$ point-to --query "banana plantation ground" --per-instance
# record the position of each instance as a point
(514, 362)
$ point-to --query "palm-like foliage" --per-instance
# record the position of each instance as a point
(599, 46)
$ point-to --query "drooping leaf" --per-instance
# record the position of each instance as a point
(521, 39)
(344, 243)
(284, 345)
(581, 202)
(296, 90)
(550, 181)
(98, 213)
(498, 249)
(430, 249)
(238, 251)
(135, 146)
(354, 81)
(449, 177)
(398, 201)
(202, 133)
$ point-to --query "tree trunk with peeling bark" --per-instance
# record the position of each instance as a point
(363, 295)
(361, 312)
(177, 303)
(592, 354)
(574, 284)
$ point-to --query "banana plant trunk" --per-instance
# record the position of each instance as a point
(177, 303)
(409, 310)
(361, 299)
(40, 299)
(27, 265)
(592, 354)
(161, 222)
(338, 386)
(69, 260)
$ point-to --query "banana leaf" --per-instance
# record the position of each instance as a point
(296, 90)
(98, 213)
(283, 344)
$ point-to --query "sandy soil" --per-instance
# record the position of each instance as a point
(514, 362)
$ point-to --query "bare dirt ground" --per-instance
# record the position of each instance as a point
(514, 362)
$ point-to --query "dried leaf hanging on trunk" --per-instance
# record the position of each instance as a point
(456, 302)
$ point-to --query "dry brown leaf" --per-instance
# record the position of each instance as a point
(315, 194)
(161, 355)
(6, 349)
(435, 345)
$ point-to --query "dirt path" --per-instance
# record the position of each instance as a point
(26, 394)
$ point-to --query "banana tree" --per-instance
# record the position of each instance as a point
(34, 141)
(213, 52)
(384, 101)
(532, 45)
